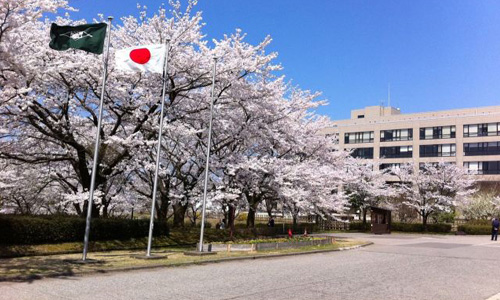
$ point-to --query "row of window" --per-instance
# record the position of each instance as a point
(488, 129)
(442, 150)
(407, 151)
(483, 167)
(396, 152)
(490, 148)
(474, 167)
(359, 137)
(396, 135)
(426, 133)
(440, 132)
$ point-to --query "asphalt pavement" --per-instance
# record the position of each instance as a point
(397, 266)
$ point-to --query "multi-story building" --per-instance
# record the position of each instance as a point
(468, 137)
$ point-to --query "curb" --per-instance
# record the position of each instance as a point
(128, 269)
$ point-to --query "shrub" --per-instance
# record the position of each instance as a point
(475, 229)
(242, 217)
(417, 227)
(479, 222)
(58, 229)
(359, 226)
(278, 229)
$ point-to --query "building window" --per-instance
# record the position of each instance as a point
(361, 116)
(358, 137)
(389, 166)
(396, 152)
(421, 166)
(488, 129)
(396, 135)
(441, 132)
(437, 150)
(362, 153)
(483, 167)
(490, 148)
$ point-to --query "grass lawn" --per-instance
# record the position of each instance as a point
(33, 267)
(177, 238)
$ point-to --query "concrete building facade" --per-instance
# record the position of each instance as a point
(468, 137)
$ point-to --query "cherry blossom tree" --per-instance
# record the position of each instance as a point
(483, 205)
(434, 187)
(366, 186)
(265, 143)
(16, 17)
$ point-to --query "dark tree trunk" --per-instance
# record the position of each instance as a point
(95, 210)
(179, 214)
(251, 218)
(162, 207)
(253, 203)
(269, 207)
(424, 222)
(295, 221)
(78, 209)
(195, 217)
(230, 220)
(105, 211)
(365, 210)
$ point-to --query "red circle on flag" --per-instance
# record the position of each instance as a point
(140, 56)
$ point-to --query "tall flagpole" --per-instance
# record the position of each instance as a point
(158, 149)
(96, 149)
(200, 246)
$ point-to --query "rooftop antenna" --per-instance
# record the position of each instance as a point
(389, 95)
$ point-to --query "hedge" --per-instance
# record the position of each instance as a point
(359, 226)
(18, 230)
(264, 230)
(417, 227)
(475, 229)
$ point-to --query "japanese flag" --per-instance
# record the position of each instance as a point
(146, 58)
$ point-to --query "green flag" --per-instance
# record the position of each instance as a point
(89, 37)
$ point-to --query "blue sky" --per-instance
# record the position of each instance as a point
(436, 55)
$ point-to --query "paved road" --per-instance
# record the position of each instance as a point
(396, 267)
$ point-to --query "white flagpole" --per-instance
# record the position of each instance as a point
(96, 149)
(158, 150)
(200, 246)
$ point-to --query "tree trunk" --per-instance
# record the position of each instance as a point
(162, 207)
(95, 210)
(424, 222)
(295, 220)
(253, 203)
(179, 214)
(195, 217)
(230, 220)
(105, 211)
(78, 209)
(251, 218)
(269, 207)
(364, 215)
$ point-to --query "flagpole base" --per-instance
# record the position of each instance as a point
(83, 262)
(150, 257)
(198, 253)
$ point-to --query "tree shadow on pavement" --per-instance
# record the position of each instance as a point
(29, 269)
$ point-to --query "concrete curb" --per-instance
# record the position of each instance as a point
(210, 261)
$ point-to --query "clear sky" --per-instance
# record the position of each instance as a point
(436, 55)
